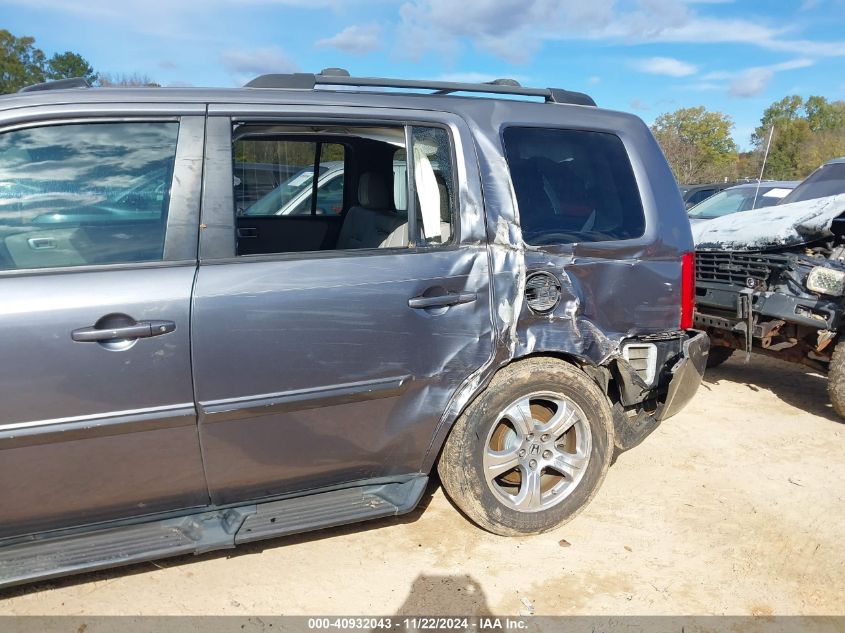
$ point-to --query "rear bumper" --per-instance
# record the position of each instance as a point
(686, 375)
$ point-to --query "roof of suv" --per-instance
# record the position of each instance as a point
(331, 89)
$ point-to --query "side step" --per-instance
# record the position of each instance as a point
(49, 556)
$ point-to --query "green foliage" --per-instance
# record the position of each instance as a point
(66, 65)
(806, 134)
(22, 64)
(697, 144)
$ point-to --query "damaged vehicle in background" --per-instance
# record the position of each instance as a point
(493, 289)
(772, 282)
(745, 197)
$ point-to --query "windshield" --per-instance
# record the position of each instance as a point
(284, 193)
(827, 180)
(739, 199)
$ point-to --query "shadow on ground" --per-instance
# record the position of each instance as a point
(456, 595)
(794, 384)
(241, 550)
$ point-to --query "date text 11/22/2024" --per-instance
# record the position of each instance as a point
(418, 623)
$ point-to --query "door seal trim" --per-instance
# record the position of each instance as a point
(270, 404)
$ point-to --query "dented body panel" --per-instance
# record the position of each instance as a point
(311, 373)
(753, 274)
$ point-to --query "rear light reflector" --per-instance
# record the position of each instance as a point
(687, 290)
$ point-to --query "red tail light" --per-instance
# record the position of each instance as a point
(687, 290)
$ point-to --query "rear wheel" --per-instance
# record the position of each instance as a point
(531, 451)
(718, 355)
(836, 379)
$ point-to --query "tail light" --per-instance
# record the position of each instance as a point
(687, 290)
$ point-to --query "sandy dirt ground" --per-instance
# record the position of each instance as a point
(736, 506)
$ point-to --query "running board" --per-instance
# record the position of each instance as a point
(48, 556)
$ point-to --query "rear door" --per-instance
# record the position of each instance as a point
(324, 367)
(98, 224)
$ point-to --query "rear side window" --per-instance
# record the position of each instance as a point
(827, 180)
(85, 194)
(573, 186)
(290, 166)
(698, 196)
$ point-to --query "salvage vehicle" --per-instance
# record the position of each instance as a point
(772, 282)
(695, 194)
(187, 377)
(745, 197)
(827, 180)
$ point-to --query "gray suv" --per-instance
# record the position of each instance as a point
(498, 290)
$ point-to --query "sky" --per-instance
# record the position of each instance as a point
(641, 56)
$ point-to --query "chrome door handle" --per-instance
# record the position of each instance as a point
(442, 301)
(142, 329)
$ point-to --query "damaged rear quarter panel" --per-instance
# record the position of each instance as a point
(611, 291)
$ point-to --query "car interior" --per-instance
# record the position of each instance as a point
(369, 211)
(85, 194)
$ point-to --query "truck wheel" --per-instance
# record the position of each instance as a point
(836, 379)
(531, 451)
(718, 355)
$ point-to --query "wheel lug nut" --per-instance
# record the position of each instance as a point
(522, 453)
(530, 437)
(544, 438)
(547, 454)
(533, 464)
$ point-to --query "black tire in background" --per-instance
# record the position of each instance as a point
(462, 466)
(718, 355)
(836, 379)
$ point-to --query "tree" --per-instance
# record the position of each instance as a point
(697, 144)
(780, 114)
(806, 134)
(784, 161)
(108, 80)
(823, 115)
(66, 65)
(21, 63)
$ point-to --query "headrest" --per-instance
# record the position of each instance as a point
(374, 191)
(445, 211)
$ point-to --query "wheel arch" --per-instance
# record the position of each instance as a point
(475, 385)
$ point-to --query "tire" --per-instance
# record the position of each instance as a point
(485, 435)
(836, 379)
(718, 355)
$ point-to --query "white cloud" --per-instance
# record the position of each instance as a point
(638, 104)
(355, 39)
(664, 66)
(244, 65)
(516, 29)
(595, 79)
(750, 82)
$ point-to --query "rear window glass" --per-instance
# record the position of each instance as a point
(573, 186)
(827, 180)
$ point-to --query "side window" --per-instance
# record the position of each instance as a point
(292, 164)
(348, 188)
(573, 186)
(434, 185)
(703, 194)
(85, 194)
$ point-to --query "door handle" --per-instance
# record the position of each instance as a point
(247, 232)
(141, 329)
(442, 301)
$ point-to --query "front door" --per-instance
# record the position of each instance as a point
(329, 366)
(97, 261)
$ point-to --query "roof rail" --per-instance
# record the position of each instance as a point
(340, 77)
(58, 84)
